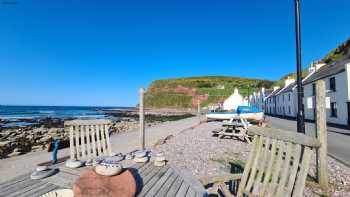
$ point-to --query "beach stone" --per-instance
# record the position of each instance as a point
(5, 143)
(59, 193)
(70, 163)
(140, 154)
(161, 158)
(129, 156)
(159, 163)
(141, 160)
(42, 168)
(108, 170)
(43, 174)
(91, 184)
(13, 154)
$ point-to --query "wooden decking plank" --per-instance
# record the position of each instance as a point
(175, 187)
(154, 177)
(62, 179)
(145, 169)
(43, 191)
(160, 182)
(167, 185)
(190, 192)
(37, 190)
(149, 173)
(25, 189)
(19, 186)
(14, 180)
(183, 190)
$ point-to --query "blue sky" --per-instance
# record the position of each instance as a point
(100, 52)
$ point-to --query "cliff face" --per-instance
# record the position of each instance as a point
(187, 92)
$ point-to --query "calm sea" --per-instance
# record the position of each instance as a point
(13, 113)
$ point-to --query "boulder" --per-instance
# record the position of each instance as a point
(90, 184)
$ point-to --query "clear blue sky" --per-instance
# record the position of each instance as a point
(100, 52)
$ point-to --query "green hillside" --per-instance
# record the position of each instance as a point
(338, 54)
(185, 92)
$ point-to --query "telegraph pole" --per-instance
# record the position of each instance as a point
(300, 114)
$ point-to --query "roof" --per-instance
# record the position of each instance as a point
(326, 71)
(288, 88)
(273, 93)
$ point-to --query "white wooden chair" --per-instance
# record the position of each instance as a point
(277, 166)
(88, 138)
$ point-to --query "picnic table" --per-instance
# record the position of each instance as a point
(234, 128)
(150, 181)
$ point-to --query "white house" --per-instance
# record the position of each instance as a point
(258, 99)
(270, 104)
(233, 101)
(337, 80)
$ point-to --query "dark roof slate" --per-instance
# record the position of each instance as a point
(326, 71)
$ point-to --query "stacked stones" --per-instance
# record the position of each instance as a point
(141, 156)
(159, 159)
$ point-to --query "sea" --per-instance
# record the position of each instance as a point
(17, 115)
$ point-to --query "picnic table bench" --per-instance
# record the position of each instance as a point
(150, 181)
(234, 128)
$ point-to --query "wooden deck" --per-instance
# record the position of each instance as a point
(151, 181)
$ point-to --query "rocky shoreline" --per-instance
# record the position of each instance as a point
(37, 134)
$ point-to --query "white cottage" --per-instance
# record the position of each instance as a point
(233, 101)
(337, 80)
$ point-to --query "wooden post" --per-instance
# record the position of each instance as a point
(199, 108)
(321, 128)
(142, 120)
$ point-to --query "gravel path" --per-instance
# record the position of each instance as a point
(197, 151)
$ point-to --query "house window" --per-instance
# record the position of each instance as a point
(332, 85)
(289, 110)
(313, 89)
(333, 109)
(289, 97)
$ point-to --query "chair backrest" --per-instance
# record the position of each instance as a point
(278, 163)
(88, 138)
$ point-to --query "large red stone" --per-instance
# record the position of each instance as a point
(91, 184)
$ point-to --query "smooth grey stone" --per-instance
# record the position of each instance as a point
(43, 174)
(140, 153)
(74, 163)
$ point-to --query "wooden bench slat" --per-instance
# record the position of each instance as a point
(301, 177)
(153, 180)
(167, 185)
(254, 167)
(175, 187)
(160, 182)
(182, 190)
(93, 138)
(294, 168)
(286, 167)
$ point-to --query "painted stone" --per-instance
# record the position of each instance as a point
(70, 163)
(108, 169)
(42, 168)
(140, 153)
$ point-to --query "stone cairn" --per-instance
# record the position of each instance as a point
(159, 159)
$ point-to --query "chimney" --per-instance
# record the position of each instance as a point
(288, 81)
(319, 65)
(275, 88)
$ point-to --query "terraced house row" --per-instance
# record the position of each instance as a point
(282, 101)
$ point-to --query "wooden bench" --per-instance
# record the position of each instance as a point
(277, 166)
(88, 138)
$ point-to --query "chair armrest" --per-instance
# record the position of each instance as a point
(221, 179)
